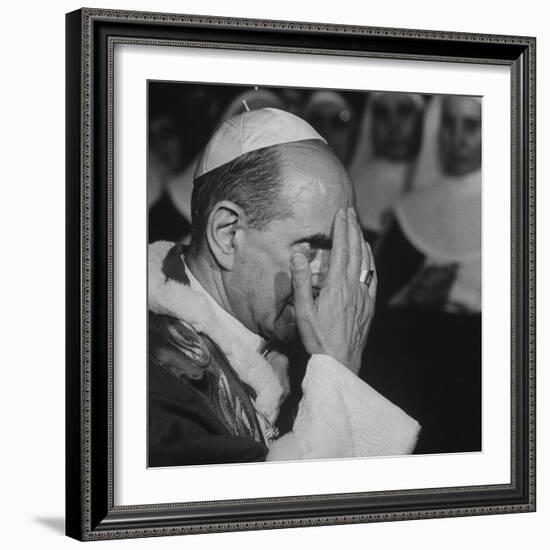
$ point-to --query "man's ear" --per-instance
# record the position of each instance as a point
(225, 223)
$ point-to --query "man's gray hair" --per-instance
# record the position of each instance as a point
(252, 181)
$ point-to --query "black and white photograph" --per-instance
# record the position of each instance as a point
(285, 273)
(300, 274)
(314, 273)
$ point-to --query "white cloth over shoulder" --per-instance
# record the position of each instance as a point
(341, 416)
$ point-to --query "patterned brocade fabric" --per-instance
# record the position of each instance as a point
(195, 360)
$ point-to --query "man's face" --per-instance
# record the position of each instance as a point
(460, 135)
(259, 287)
(396, 127)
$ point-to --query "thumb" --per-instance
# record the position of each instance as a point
(301, 284)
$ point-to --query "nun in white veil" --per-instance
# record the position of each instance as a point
(387, 146)
(425, 343)
(431, 256)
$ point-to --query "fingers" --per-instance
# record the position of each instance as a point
(301, 284)
(303, 302)
(365, 256)
(340, 248)
(355, 238)
(347, 255)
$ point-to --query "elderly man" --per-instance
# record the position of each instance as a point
(276, 253)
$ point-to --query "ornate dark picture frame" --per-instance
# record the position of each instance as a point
(90, 510)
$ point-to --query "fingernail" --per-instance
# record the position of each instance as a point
(298, 261)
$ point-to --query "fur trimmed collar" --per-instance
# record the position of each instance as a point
(169, 295)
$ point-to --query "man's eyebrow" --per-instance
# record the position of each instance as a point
(318, 240)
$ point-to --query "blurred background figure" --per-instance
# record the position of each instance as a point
(424, 349)
(389, 139)
(164, 160)
(294, 99)
(333, 117)
(176, 134)
(164, 155)
(179, 186)
(431, 257)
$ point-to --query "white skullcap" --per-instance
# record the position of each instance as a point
(250, 131)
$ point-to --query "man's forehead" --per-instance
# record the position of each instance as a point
(317, 199)
(309, 222)
(315, 203)
(316, 185)
(312, 218)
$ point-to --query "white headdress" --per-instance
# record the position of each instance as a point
(442, 215)
(378, 182)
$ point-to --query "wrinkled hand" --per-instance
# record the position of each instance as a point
(337, 322)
